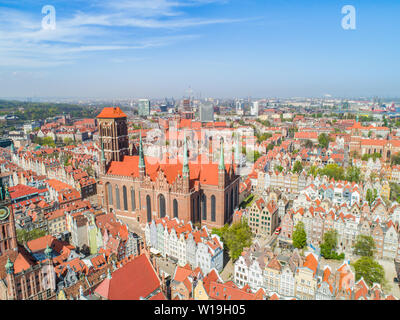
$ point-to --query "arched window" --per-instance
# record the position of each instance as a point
(133, 202)
(226, 206)
(193, 210)
(213, 208)
(117, 199)
(125, 196)
(161, 203)
(109, 194)
(204, 207)
(236, 196)
(148, 205)
(175, 204)
(232, 205)
(198, 208)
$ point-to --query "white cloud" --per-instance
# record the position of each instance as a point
(105, 27)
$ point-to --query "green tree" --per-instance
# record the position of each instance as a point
(332, 171)
(279, 168)
(24, 236)
(395, 159)
(328, 247)
(353, 174)
(370, 270)
(69, 141)
(297, 167)
(235, 238)
(371, 196)
(308, 144)
(323, 140)
(313, 171)
(270, 146)
(364, 246)
(299, 236)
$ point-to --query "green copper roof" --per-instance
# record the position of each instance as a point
(48, 252)
(185, 157)
(9, 266)
(221, 165)
(141, 156)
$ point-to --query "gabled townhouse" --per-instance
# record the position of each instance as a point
(306, 281)
(390, 241)
(272, 275)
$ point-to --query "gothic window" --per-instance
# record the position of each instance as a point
(226, 206)
(117, 199)
(232, 204)
(148, 205)
(213, 208)
(204, 207)
(161, 203)
(193, 210)
(133, 203)
(125, 196)
(175, 204)
(109, 194)
(236, 196)
(198, 209)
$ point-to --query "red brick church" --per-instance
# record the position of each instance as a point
(145, 188)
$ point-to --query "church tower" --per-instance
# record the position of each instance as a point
(113, 131)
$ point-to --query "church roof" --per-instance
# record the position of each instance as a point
(111, 112)
(206, 173)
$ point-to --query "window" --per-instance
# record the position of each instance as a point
(204, 207)
(161, 203)
(213, 208)
(125, 196)
(148, 205)
(117, 199)
(109, 194)
(175, 205)
(133, 201)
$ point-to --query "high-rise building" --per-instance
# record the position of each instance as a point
(239, 105)
(206, 112)
(144, 107)
(254, 108)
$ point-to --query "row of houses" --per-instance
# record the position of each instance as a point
(299, 277)
(185, 243)
(318, 217)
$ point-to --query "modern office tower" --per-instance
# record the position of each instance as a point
(206, 112)
(144, 107)
(254, 108)
(239, 106)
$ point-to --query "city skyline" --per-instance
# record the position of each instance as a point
(158, 48)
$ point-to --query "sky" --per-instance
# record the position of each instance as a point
(219, 48)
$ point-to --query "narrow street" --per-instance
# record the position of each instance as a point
(390, 274)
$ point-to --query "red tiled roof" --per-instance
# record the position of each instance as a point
(111, 112)
(135, 279)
